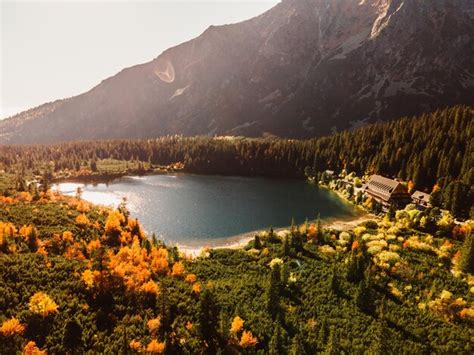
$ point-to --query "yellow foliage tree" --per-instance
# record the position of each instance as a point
(196, 288)
(154, 324)
(82, 220)
(114, 221)
(11, 327)
(42, 304)
(178, 269)
(237, 325)
(7, 230)
(90, 277)
(27, 231)
(312, 231)
(83, 206)
(247, 339)
(155, 347)
(131, 265)
(159, 260)
(135, 345)
(191, 278)
(67, 236)
(93, 245)
(31, 349)
(150, 287)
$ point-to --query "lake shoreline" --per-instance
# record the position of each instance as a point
(240, 241)
(194, 247)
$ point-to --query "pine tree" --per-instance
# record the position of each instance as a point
(297, 347)
(332, 347)
(208, 320)
(286, 247)
(257, 242)
(467, 254)
(72, 336)
(323, 334)
(273, 298)
(380, 344)
(364, 295)
(276, 342)
(334, 281)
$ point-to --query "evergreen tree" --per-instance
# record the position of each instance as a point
(467, 256)
(72, 336)
(380, 344)
(276, 342)
(286, 246)
(273, 298)
(208, 320)
(364, 295)
(297, 347)
(332, 347)
(257, 242)
(323, 334)
(334, 281)
(319, 232)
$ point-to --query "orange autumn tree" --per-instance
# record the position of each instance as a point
(159, 260)
(135, 345)
(150, 287)
(237, 325)
(247, 339)
(7, 231)
(178, 269)
(191, 278)
(113, 227)
(153, 325)
(31, 349)
(11, 327)
(155, 347)
(196, 288)
(82, 220)
(131, 265)
(120, 230)
(41, 304)
(312, 232)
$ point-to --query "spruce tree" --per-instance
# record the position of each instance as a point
(208, 321)
(273, 298)
(467, 254)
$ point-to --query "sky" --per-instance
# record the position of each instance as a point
(56, 49)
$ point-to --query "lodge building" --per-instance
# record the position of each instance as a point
(421, 199)
(387, 192)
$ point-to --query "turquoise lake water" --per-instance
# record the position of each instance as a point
(191, 209)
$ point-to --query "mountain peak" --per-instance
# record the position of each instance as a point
(303, 68)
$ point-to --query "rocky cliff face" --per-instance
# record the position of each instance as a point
(303, 68)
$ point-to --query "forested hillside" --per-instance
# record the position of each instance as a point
(433, 149)
(77, 278)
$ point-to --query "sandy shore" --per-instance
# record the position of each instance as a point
(241, 240)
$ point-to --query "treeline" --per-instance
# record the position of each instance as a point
(435, 148)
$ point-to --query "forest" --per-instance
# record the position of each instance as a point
(434, 149)
(81, 278)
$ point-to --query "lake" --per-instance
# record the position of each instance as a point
(195, 209)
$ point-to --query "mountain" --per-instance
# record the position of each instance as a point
(303, 68)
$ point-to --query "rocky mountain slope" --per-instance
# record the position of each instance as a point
(303, 68)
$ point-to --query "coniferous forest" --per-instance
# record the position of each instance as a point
(433, 149)
(80, 278)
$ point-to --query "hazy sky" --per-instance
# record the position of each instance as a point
(56, 49)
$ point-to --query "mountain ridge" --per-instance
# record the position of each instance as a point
(303, 68)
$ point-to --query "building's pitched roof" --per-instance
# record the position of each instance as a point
(383, 182)
(419, 195)
(384, 187)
